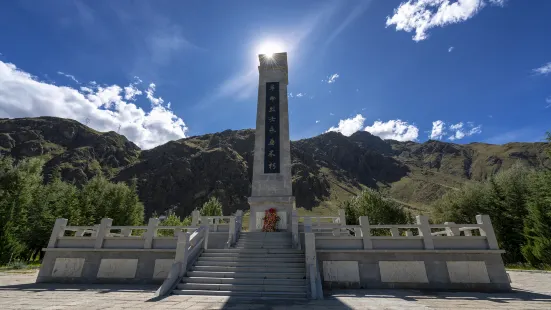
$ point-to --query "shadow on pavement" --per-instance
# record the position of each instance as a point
(100, 288)
(416, 295)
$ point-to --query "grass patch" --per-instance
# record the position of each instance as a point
(524, 266)
(19, 266)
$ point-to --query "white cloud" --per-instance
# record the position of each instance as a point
(150, 91)
(300, 95)
(72, 77)
(21, 95)
(331, 114)
(437, 131)
(349, 126)
(317, 121)
(460, 131)
(450, 49)
(543, 70)
(131, 91)
(548, 100)
(332, 78)
(394, 129)
(290, 95)
(422, 15)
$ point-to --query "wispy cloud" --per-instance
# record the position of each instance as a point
(300, 95)
(543, 70)
(450, 49)
(332, 78)
(422, 15)
(460, 131)
(356, 12)
(317, 121)
(548, 100)
(72, 77)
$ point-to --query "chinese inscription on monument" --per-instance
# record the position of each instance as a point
(271, 153)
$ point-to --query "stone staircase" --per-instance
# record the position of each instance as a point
(260, 265)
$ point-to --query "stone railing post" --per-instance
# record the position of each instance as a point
(231, 232)
(204, 220)
(294, 229)
(311, 262)
(239, 223)
(451, 231)
(342, 217)
(487, 230)
(104, 227)
(366, 233)
(307, 224)
(182, 248)
(150, 233)
(424, 231)
(58, 231)
(195, 218)
(206, 242)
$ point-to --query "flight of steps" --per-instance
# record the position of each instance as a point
(260, 265)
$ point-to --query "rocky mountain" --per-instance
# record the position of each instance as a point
(181, 175)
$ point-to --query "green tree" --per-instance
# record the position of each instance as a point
(118, 201)
(212, 207)
(18, 182)
(537, 225)
(173, 220)
(503, 197)
(379, 210)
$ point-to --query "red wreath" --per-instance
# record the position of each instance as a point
(270, 220)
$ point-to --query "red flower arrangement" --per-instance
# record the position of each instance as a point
(270, 220)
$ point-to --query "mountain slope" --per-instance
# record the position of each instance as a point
(181, 175)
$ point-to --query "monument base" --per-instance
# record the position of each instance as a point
(283, 204)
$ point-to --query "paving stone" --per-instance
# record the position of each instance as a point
(18, 291)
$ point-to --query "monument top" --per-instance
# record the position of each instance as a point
(273, 60)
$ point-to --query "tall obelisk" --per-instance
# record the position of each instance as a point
(272, 186)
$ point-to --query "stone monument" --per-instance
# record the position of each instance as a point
(271, 184)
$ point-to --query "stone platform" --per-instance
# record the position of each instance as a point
(18, 291)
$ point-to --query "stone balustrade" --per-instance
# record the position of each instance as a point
(421, 235)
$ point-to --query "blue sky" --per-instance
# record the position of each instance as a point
(459, 71)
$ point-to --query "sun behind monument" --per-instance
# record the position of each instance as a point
(269, 48)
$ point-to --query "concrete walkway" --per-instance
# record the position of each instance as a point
(18, 291)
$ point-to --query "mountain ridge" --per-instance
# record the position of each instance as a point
(182, 174)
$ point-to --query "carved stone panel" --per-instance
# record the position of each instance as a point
(117, 268)
(468, 272)
(403, 271)
(68, 267)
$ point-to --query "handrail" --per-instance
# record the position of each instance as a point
(186, 252)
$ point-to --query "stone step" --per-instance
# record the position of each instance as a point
(248, 275)
(255, 251)
(262, 246)
(242, 287)
(252, 254)
(249, 269)
(259, 258)
(250, 281)
(285, 242)
(245, 294)
(251, 264)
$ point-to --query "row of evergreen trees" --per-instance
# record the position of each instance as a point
(29, 208)
(518, 201)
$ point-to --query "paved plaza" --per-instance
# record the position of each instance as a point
(18, 291)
